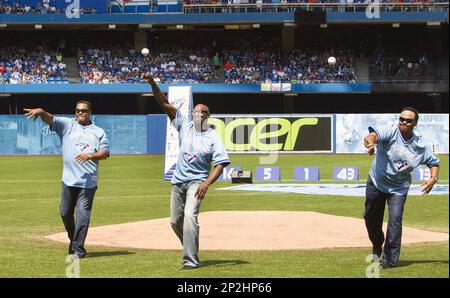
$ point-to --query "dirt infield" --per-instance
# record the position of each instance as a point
(249, 230)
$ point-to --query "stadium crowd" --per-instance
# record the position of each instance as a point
(117, 64)
(24, 65)
(341, 5)
(36, 7)
(298, 66)
(123, 64)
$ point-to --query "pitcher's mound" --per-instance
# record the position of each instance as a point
(249, 230)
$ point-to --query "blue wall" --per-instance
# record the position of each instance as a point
(218, 18)
(127, 134)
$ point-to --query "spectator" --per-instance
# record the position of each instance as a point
(401, 68)
(423, 63)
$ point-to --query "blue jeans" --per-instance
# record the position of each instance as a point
(373, 215)
(184, 210)
(81, 199)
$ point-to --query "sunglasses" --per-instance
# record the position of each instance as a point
(407, 120)
(82, 111)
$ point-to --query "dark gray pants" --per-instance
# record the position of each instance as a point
(373, 215)
(81, 199)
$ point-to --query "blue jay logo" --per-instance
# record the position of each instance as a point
(401, 164)
(190, 158)
(82, 146)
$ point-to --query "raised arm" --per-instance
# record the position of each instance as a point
(34, 113)
(160, 98)
(369, 142)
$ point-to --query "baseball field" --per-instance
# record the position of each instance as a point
(131, 190)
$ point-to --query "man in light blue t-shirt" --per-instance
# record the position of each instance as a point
(83, 145)
(199, 146)
(399, 152)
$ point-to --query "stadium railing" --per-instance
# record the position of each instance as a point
(328, 7)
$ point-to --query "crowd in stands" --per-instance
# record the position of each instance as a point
(116, 64)
(41, 7)
(234, 6)
(298, 66)
(21, 7)
(123, 64)
(38, 64)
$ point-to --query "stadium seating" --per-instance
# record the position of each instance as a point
(22, 65)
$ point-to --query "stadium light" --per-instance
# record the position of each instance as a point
(256, 25)
(433, 24)
(147, 94)
(179, 27)
(323, 25)
(144, 26)
(291, 94)
(5, 94)
(231, 27)
(111, 26)
(395, 25)
(290, 25)
(37, 26)
(3, 25)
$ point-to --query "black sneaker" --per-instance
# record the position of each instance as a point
(387, 265)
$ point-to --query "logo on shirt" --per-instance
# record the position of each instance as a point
(82, 146)
(401, 164)
(190, 158)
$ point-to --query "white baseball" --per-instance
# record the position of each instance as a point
(331, 60)
(145, 51)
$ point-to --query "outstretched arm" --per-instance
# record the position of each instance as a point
(34, 113)
(160, 98)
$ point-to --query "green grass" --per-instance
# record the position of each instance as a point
(131, 189)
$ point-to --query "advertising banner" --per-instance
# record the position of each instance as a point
(288, 133)
(352, 128)
(181, 98)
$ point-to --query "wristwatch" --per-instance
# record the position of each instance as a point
(435, 178)
(90, 157)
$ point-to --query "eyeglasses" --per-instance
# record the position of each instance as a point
(200, 112)
(407, 120)
(82, 111)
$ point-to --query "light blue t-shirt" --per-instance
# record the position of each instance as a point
(197, 151)
(77, 139)
(396, 158)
